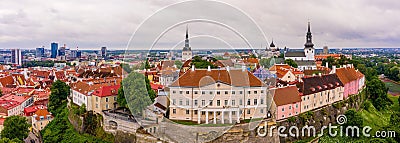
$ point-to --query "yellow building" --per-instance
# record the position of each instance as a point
(40, 119)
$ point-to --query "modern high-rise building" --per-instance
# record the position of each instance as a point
(54, 49)
(39, 52)
(104, 52)
(61, 51)
(16, 57)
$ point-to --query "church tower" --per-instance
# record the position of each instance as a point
(187, 50)
(309, 50)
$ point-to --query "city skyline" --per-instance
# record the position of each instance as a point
(342, 24)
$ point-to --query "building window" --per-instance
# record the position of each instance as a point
(187, 102)
(203, 103)
(233, 92)
(262, 91)
(218, 92)
(196, 92)
(203, 112)
(248, 101)
(255, 92)
(106, 106)
(218, 103)
(255, 101)
(233, 112)
(233, 103)
(187, 92)
(173, 91)
(290, 107)
(283, 109)
(226, 92)
(180, 92)
(173, 101)
(297, 106)
(211, 103)
(262, 110)
(97, 105)
(180, 102)
(174, 111)
(262, 101)
(248, 92)
(211, 92)
(187, 111)
(240, 102)
(203, 92)
(106, 99)
(248, 111)
(240, 92)
(226, 102)
(195, 112)
(97, 99)
(195, 102)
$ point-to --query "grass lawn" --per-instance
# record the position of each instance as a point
(393, 87)
(377, 120)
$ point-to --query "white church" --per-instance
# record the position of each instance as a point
(304, 59)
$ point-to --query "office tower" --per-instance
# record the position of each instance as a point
(16, 57)
(40, 52)
(54, 49)
(104, 52)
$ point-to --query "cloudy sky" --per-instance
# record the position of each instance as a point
(92, 24)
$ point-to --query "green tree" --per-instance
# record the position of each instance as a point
(354, 119)
(7, 140)
(266, 62)
(290, 62)
(59, 93)
(377, 93)
(15, 127)
(121, 97)
(134, 90)
(147, 65)
(126, 67)
(178, 64)
(395, 119)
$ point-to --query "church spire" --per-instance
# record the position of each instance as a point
(309, 43)
(187, 46)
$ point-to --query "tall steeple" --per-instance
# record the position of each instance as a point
(187, 38)
(309, 43)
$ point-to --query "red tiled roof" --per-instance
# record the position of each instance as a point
(286, 95)
(156, 86)
(107, 91)
(33, 109)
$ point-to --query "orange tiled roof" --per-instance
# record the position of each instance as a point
(202, 77)
(42, 112)
(7, 80)
(286, 95)
(346, 74)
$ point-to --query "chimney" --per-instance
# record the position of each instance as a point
(192, 67)
(208, 68)
(320, 74)
(327, 64)
(227, 68)
(334, 69)
(313, 74)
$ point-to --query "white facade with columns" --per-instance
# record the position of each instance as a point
(218, 102)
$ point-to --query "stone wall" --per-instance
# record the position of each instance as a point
(320, 117)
